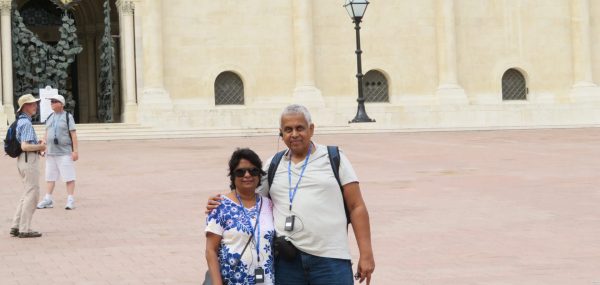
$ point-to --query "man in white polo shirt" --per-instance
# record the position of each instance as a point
(61, 137)
(309, 209)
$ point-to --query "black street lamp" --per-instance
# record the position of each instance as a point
(356, 9)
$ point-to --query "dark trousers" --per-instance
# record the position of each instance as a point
(307, 269)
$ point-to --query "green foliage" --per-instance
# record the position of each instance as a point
(38, 64)
(107, 65)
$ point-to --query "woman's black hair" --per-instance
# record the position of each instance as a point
(237, 156)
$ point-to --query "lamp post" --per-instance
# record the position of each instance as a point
(356, 9)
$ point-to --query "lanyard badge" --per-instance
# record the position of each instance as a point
(289, 223)
(259, 275)
(258, 271)
(289, 220)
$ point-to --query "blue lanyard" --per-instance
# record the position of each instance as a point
(257, 235)
(55, 123)
(291, 193)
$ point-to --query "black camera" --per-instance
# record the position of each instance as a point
(283, 248)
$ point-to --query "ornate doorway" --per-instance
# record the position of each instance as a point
(43, 18)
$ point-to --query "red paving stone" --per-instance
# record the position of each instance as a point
(487, 207)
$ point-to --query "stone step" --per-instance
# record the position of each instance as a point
(136, 132)
(150, 133)
(120, 131)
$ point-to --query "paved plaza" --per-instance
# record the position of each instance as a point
(471, 207)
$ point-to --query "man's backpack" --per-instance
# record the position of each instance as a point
(334, 160)
(12, 147)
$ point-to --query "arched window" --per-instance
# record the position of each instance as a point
(514, 86)
(229, 89)
(375, 87)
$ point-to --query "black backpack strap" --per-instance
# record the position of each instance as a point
(17, 115)
(273, 166)
(69, 131)
(334, 159)
(48, 118)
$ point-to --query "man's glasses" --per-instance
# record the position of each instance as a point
(240, 172)
(54, 101)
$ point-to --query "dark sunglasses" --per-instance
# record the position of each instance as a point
(54, 101)
(240, 172)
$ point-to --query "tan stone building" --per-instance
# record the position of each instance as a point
(202, 64)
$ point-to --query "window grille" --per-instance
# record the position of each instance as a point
(375, 87)
(41, 13)
(229, 89)
(514, 86)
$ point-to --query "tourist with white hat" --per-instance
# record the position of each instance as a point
(62, 152)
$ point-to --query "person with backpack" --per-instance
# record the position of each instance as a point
(62, 152)
(28, 166)
(309, 194)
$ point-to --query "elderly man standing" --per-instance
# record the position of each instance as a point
(309, 210)
(62, 152)
(28, 166)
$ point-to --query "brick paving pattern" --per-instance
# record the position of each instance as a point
(487, 207)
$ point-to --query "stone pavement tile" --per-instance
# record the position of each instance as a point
(487, 207)
(25, 280)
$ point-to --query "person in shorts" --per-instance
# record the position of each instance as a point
(62, 152)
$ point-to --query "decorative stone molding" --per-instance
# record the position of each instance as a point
(128, 75)
(126, 7)
(7, 77)
(5, 7)
(449, 90)
(581, 42)
(306, 92)
(584, 89)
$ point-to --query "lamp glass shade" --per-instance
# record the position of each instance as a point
(356, 8)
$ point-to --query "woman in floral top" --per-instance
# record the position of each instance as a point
(238, 248)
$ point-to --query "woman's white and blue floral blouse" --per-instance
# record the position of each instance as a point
(229, 221)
